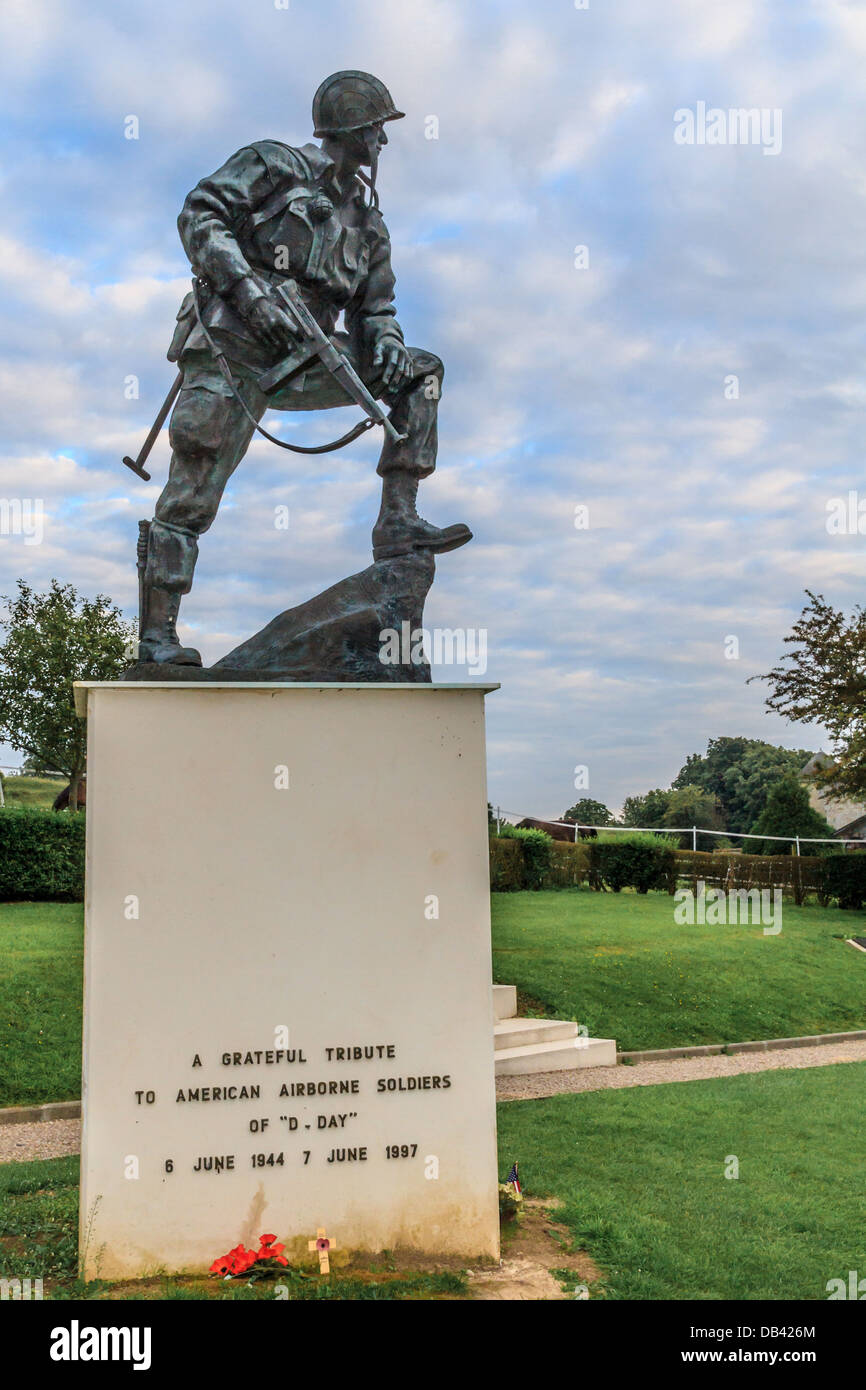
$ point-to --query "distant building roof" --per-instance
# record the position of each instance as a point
(555, 831)
(818, 762)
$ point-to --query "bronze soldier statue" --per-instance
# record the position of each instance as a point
(274, 219)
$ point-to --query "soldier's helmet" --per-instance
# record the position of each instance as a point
(351, 100)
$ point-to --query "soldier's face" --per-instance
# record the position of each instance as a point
(366, 144)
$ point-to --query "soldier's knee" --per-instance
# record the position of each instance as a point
(427, 374)
(428, 364)
(179, 507)
(198, 425)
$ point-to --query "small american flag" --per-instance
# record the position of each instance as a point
(513, 1179)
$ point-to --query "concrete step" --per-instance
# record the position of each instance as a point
(504, 1001)
(520, 1032)
(564, 1055)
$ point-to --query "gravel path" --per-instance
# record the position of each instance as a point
(46, 1139)
(554, 1083)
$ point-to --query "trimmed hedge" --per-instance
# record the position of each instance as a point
(521, 859)
(506, 865)
(535, 847)
(632, 861)
(569, 865)
(843, 877)
(41, 855)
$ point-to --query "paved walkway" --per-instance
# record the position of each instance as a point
(553, 1083)
(56, 1138)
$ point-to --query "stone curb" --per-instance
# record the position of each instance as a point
(671, 1054)
(36, 1114)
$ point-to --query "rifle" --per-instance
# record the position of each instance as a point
(316, 343)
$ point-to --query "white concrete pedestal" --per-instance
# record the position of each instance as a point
(287, 973)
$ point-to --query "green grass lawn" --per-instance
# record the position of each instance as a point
(620, 964)
(40, 1002)
(32, 791)
(641, 1176)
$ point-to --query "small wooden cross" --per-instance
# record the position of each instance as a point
(323, 1244)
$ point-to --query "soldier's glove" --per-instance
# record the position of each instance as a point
(270, 323)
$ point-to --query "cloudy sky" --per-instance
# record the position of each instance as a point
(598, 379)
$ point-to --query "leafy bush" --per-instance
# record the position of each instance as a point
(844, 877)
(41, 855)
(640, 861)
(536, 847)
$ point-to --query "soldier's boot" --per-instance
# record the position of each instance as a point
(159, 641)
(171, 557)
(400, 529)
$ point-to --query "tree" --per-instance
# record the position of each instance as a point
(824, 683)
(646, 810)
(788, 812)
(691, 806)
(739, 773)
(54, 639)
(588, 812)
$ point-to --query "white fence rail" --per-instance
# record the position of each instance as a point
(693, 830)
